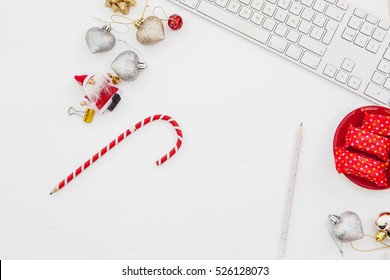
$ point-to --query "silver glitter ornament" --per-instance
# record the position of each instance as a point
(347, 227)
(127, 66)
(150, 31)
(100, 39)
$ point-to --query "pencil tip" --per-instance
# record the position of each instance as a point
(51, 193)
(301, 123)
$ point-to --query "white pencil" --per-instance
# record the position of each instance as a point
(291, 188)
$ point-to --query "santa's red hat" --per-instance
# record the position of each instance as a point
(83, 80)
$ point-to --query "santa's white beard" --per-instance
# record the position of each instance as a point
(93, 91)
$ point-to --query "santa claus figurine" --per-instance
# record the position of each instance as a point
(99, 90)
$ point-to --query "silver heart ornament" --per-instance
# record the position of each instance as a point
(150, 31)
(100, 39)
(127, 66)
(347, 227)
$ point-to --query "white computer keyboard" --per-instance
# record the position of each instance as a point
(331, 38)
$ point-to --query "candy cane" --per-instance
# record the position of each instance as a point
(119, 139)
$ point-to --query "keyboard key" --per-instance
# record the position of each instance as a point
(304, 27)
(234, 22)
(384, 25)
(316, 33)
(284, 4)
(379, 34)
(367, 28)
(387, 54)
(384, 66)
(294, 52)
(331, 28)
(373, 46)
(342, 77)
(312, 45)
(221, 3)
(342, 4)
(307, 14)
(257, 18)
(190, 3)
(234, 6)
(334, 13)
(387, 83)
(245, 12)
(348, 34)
(257, 4)
(372, 19)
(319, 20)
(378, 78)
(310, 60)
(281, 30)
(295, 8)
(269, 9)
(293, 36)
(354, 22)
(292, 21)
(319, 6)
(277, 44)
(348, 65)
(359, 13)
(330, 70)
(377, 93)
(281, 15)
(360, 40)
(307, 3)
(354, 82)
(269, 24)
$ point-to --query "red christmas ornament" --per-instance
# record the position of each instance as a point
(175, 22)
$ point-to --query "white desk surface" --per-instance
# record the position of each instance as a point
(221, 197)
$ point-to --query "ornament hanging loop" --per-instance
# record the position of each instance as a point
(165, 13)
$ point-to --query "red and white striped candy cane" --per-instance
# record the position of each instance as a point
(119, 139)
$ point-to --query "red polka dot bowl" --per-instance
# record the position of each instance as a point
(356, 119)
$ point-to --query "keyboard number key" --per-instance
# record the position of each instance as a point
(373, 46)
(378, 78)
(378, 93)
(319, 20)
(387, 83)
(371, 19)
(316, 33)
(359, 13)
(319, 6)
(379, 34)
(387, 54)
(310, 60)
(360, 40)
(342, 77)
(354, 22)
(269, 24)
(367, 28)
(384, 66)
(284, 4)
(330, 70)
(295, 8)
(292, 21)
(307, 14)
(307, 3)
(354, 82)
(384, 25)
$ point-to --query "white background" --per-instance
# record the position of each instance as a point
(221, 197)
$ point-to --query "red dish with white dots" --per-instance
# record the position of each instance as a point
(356, 119)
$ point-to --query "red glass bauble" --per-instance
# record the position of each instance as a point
(175, 22)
